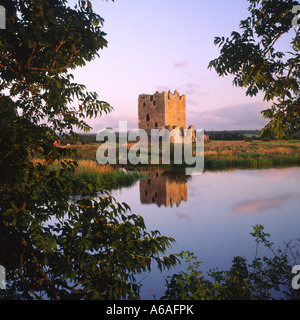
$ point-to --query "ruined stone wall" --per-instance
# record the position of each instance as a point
(175, 110)
(163, 110)
(151, 111)
(160, 110)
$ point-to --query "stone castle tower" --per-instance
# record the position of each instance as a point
(164, 110)
(161, 110)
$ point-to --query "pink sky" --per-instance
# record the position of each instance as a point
(161, 45)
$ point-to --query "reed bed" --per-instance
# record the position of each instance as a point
(104, 176)
(255, 154)
(217, 155)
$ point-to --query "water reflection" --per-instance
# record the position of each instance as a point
(261, 205)
(216, 212)
(211, 215)
(163, 189)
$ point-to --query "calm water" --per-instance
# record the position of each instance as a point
(212, 214)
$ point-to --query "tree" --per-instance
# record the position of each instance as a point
(267, 277)
(53, 246)
(256, 62)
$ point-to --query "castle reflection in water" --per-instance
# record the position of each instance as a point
(163, 189)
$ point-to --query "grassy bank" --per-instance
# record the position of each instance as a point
(218, 155)
(251, 154)
(106, 177)
(231, 154)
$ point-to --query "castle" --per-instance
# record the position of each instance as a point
(163, 110)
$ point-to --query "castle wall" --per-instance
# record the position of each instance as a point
(175, 110)
(151, 110)
(160, 110)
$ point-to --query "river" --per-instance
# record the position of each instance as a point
(212, 214)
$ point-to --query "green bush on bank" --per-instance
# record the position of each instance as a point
(265, 278)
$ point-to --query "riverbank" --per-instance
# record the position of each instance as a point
(251, 154)
(218, 155)
(227, 154)
(104, 177)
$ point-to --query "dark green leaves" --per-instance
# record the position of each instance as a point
(253, 58)
(39, 48)
(56, 246)
(267, 277)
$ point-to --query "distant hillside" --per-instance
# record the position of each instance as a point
(213, 135)
(233, 134)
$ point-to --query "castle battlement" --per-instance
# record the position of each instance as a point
(175, 96)
(166, 95)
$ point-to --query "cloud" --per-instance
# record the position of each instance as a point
(184, 216)
(189, 89)
(236, 117)
(260, 205)
(161, 88)
(181, 64)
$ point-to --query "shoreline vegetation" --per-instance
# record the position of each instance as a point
(218, 155)
(255, 154)
(104, 177)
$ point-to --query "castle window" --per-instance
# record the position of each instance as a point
(154, 103)
(144, 104)
(147, 117)
(156, 124)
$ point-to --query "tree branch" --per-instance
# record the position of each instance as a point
(41, 69)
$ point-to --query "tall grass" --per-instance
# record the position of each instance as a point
(217, 155)
(104, 176)
(256, 154)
